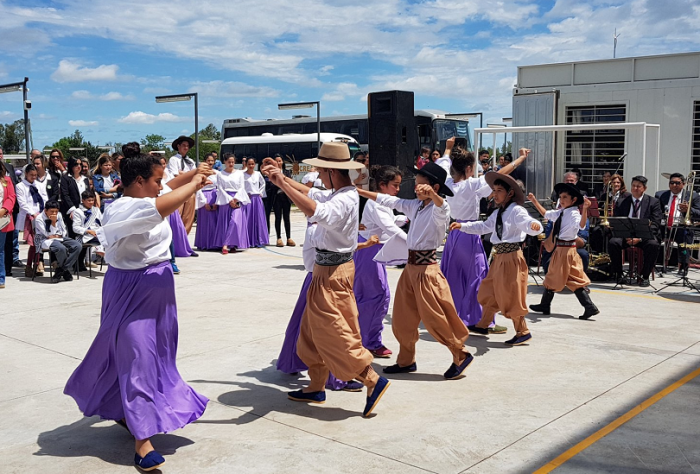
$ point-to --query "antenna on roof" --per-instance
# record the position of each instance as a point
(615, 36)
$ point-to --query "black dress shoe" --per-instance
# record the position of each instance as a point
(397, 369)
(82, 268)
(18, 264)
(478, 330)
(194, 254)
(67, 275)
(644, 283)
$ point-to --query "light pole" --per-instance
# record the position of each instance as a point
(507, 120)
(26, 105)
(182, 98)
(307, 105)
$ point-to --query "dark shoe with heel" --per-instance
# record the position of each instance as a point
(545, 304)
(585, 299)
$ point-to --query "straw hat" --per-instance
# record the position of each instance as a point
(518, 195)
(334, 155)
(181, 139)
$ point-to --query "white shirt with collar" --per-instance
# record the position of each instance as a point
(464, 205)
(380, 221)
(570, 222)
(42, 231)
(43, 186)
(516, 225)
(27, 206)
(428, 223)
(134, 234)
(177, 164)
(634, 201)
(81, 224)
(254, 183)
(337, 218)
(231, 183)
(677, 214)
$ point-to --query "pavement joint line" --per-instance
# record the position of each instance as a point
(610, 427)
(232, 346)
(579, 406)
(40, 347)
(31, 394)
(325, 437)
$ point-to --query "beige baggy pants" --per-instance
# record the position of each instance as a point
(566, 270)
(187, 213)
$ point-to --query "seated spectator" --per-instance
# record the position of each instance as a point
(599, 190)
(585, 188)
(7, 204)
(51, 234)
(31, 204)
(423, 158)
(86, 220)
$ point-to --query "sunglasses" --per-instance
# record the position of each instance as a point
(676, 183)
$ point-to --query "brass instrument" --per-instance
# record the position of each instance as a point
(604, 221)
(690, 185)
(683, 221)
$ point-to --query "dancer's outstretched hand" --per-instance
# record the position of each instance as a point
(455, 226)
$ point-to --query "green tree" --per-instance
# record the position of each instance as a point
(12, 136)
(209, 133)
(77, 140)
(152, 143)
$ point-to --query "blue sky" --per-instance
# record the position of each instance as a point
(96, 66)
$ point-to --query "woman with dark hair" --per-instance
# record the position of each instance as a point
(116, 159)
(105, 181)
(282, 207)
(46, 184)
(231, 226)
(254, 212)
(73, 183)
(129, 374)
(31, 205)
(7, 204)
(56, 166)
(207, 211)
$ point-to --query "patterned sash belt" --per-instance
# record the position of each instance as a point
(422, 257)
(507, 247)
(326, 258)
(566, 243)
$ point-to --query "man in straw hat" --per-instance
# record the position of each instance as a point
(181, 163)
(505, 287)
(330, 334)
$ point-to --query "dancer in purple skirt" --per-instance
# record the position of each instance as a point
(464, 262)
(254, 213)
(231, 228)
(129, 374)
(371, 283)
(207, 211)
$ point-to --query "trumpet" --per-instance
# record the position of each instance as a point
(604, 221)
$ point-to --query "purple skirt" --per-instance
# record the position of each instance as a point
(231, 228)
(130, 371)
(180, 241)
(372, 294)
(288, 360)
(205, 236)
(257, 222)
(464, 265)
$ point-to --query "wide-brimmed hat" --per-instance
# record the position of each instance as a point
(571, 190)
(518, 194)
(334, 155)
(436, 173)
(181, 139)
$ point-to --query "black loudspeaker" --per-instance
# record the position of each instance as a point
(393, 138)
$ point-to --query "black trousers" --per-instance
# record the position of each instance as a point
(650, 249)
(282, 207)
(268, 202)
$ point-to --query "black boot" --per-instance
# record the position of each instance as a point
(545, 303)
(589, 308)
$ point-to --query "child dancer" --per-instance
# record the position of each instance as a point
(207, 211)
(51, 234)
(464, 262)
(566, 267)
(129, 373)
(231, 228)
(371, 287)
(505, 287)
(87, 219)
(254, 213)
(423, 293)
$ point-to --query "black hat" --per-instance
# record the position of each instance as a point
(181, 139)
(435, 173)
(518, 194)
(571, 190)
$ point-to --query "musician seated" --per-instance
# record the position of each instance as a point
(640, 206)
(675, 202)
(570, 177)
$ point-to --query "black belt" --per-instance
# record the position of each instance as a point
(422, 257)
(566, 243)
(507, 247)
(326, 258)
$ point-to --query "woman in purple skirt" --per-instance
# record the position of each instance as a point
(207, 212)
(464, 262)
(371, 283)
(129, 374)
(231, 228)
(254, 213)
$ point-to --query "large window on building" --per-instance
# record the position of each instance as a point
(595, 151)
(695, 151)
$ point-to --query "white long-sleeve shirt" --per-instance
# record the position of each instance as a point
(177, 164)
(42, 230)
(82, 224)
(27, 206)
(254, 183)
(231, 183)
(337, 217)
(570, 222)
(464, 205)
(516, 225)
(428, 224)
(380, 221)
(200, 198)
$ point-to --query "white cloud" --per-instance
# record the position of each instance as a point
(232, 89)
(7, 115)
(83, 123)
(144, 118)
(69, 71)
(86, 95)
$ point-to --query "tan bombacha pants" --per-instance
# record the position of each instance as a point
(424, 295)
(329, 339)
(566, 270)
(187, 213)
(505, 289)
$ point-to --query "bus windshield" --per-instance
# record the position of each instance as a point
(446, 128)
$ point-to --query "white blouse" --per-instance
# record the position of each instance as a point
(200, 198)
(570, 222)
(43, 186)
(134, 234)
(464, 205)
(308, 251)
(337, 215)
(516, 225)
(428, 224)
(254, 183)
(27, 206)
(231, 183)
(380, 221)
(177, 163)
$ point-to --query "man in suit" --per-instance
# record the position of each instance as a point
(639, 206)
(675, 203)
(11, 244)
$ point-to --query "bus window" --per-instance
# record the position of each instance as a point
(354, 148)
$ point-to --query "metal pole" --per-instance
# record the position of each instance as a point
(196, 128)
(644, 151)
(318, 127)
(658, 156)
(26, 117)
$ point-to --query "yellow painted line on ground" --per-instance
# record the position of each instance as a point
(600, 434)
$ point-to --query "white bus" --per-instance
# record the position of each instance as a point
(292, 147)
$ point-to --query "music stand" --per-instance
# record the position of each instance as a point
(630, 228)
(682, 279)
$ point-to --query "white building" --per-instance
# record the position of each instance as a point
(664, 90)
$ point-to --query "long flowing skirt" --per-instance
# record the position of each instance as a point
(254, 213)
(288, 360)
(130, 371)
(205, 235)
(231, 228)
(372, 294)
(180, 241)
(464, 265)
